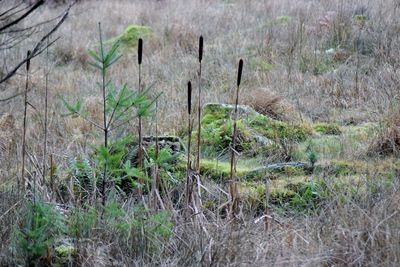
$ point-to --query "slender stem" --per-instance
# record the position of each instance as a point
(140, 152)
(140, 147)
(105, 129)
(188, 179)
(45, 114)
(232, 183)
(157, 151)
(21, 182)
(188, 169)
(201, 44)
(199, 125)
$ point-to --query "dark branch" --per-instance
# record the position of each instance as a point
(38, 49)
(33, 8)
(10, 9)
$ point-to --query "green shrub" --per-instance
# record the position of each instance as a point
(41, 225)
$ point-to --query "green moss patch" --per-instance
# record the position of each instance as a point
(327, 128)
(130, 36)
(256, 134)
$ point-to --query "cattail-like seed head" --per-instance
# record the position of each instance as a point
(200, 48)
(28, 62)
(189, 97)
(140, 50)
(239, 77)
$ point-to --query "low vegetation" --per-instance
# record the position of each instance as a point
(134, 141)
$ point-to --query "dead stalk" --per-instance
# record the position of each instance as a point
(188, 171)
(140, 146)
(156, 173)
(232, 182)
(21, 182)
(45, 113)
(199, 106)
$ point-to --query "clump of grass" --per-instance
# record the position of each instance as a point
(267, 103)
(327, 128)
(387, 142)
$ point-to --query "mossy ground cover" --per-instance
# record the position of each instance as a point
(257, 134)
(337, 150)
(130, 36)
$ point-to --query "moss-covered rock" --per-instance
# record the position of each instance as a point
(327, 128)
(256, 134)
(64, 254)
(130, 36)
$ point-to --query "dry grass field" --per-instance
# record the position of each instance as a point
(323, 74)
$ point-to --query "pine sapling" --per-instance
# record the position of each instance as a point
(105, 126)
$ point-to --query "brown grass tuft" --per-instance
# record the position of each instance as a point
(387, 142)
(268, 103)
(8, 132)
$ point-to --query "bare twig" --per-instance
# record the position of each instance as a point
(23, 16)
(38, 49)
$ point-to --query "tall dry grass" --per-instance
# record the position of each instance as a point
(287, 47)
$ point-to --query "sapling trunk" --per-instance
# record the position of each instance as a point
(199, 106)
(21, 182)
(105, 127)
(188, 179)
(232, 182)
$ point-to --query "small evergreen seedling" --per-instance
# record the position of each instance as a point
(117, 107)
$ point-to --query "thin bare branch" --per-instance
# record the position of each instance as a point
(33, 8)
(38, 49)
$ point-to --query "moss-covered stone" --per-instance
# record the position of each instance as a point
(220, 170)
(327, 128)
(130, 36)
(256, 134)
(64, 254)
